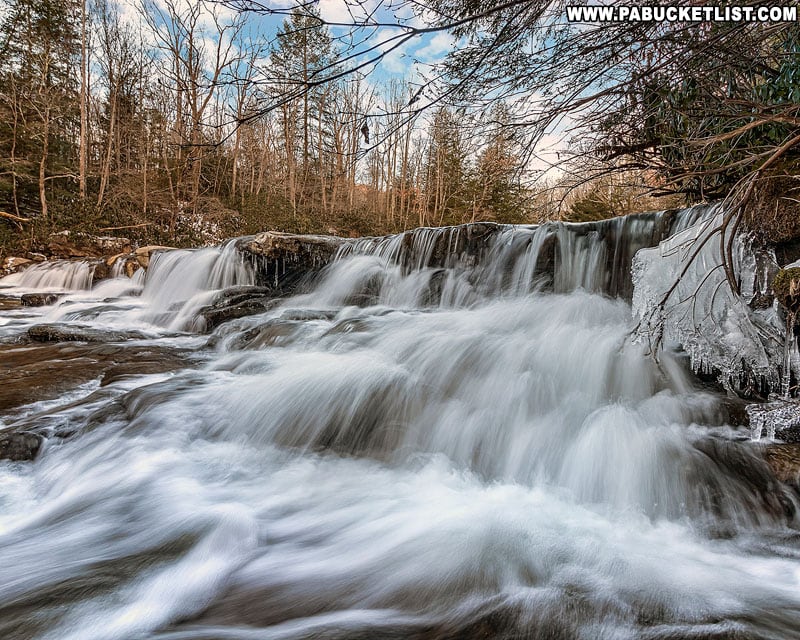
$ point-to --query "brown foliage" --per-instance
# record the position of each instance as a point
(773, 213)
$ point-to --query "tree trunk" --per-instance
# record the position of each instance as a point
(43, 161)
(83, 151)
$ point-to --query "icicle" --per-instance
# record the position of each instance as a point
(789, 341)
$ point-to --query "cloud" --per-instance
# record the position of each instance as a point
(436, 48)
(346, 11)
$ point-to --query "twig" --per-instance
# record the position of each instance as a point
(132, 226)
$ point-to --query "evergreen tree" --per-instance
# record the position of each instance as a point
(446, 170)
(299, 64)
(39, 100)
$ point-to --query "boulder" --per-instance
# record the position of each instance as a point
(237, 302)
(142, 255)
(39, 299)
(78, 333)
(276, 245)
(750, 474)
(284, 260)
(110, 261)
(14, 263)
(19, 445)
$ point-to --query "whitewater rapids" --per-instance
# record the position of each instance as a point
(495, 465)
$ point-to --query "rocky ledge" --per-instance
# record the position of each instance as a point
(39, 299)
(284, 260)
(67, 244)
(58, 332)
(237, 302)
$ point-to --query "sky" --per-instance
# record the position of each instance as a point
(411, 61)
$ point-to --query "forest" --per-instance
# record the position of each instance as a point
(399, 319)
(160, 132)
(184, 123)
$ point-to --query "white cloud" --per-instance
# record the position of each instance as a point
(347, 11)
(439, 44)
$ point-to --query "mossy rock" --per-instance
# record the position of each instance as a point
(786, 286)
(773, 214)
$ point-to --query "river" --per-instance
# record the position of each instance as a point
(397, 451)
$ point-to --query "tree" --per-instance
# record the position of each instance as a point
(40, 45)
(498, 192)
(199, 46)
(446, 170)
(302, 48)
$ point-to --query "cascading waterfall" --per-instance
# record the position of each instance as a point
(178, 283)
(449, 435)
(58, 275)
(166, 296)
(446, 267)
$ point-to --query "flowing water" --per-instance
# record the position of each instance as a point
(465, 450)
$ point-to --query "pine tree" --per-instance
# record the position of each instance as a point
(39, 92)
(446, 170)
(299, 63)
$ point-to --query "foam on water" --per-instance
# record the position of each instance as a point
(58, 275)
(413, 448)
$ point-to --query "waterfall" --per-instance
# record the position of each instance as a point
(180, 282)
(442, 434)
(455, 266)
(58, 275)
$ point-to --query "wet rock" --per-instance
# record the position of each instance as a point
(100, 271)
(784, 460)
(237, 302)
(19, 445)
(272, 333)
(128, 263)
(14, 263)
(9, 302)
(284, 260)
(78, 333)
(744, 463)
(306, 315)
(142, 255)
(146, 365)
(277, 245)
(39, 299)
(39, 371)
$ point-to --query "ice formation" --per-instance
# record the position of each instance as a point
(682, 297)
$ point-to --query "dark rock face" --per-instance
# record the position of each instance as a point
(39, 299)
(19, 445)
(78, 333)
(754, 476)
(284, 260)
(784, 460)
(237, 302)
